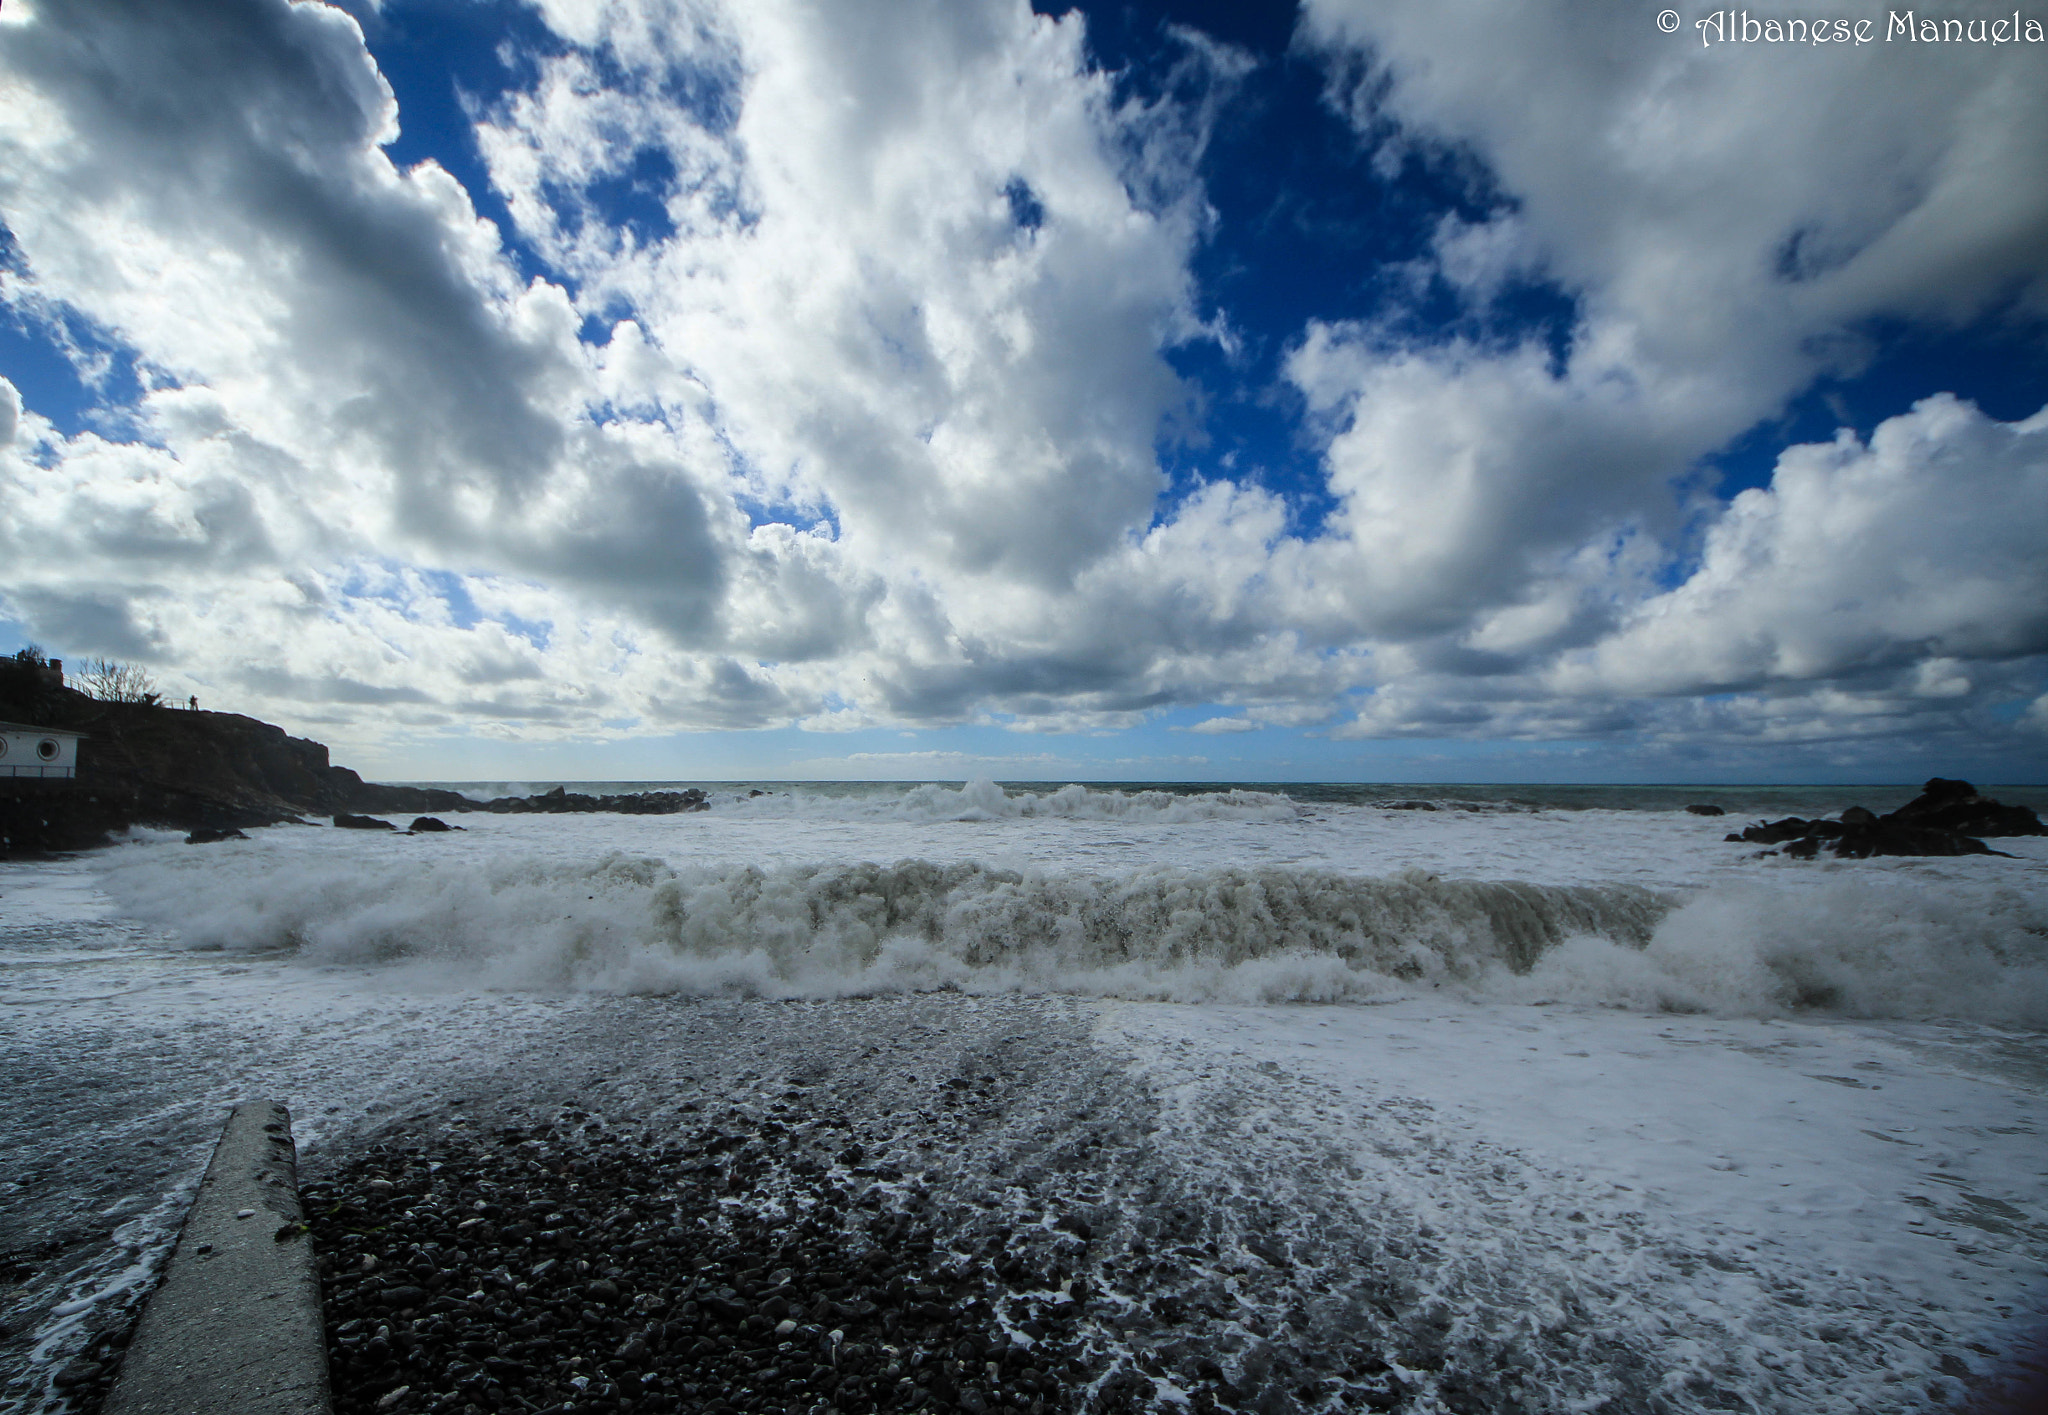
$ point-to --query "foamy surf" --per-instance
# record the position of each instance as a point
(1611, 1072)
(1876, 946)
(984, 801)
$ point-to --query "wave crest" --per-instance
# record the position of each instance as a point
(1867, 946)
(984, 800)
(632, 924)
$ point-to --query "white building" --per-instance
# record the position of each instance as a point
(38, 751)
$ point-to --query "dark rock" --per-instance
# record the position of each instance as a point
(562, 801)
(1886, 835)
(428, 825)
(1777, 832)
(207, 835)
(1957, 806)
(1699, 810)
(723, 1308)
(77, 1373)
(345, 821)
(1860, 834)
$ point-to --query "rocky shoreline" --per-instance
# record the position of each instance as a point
(1948, 817)
(213, 774)
(968, 1192)
(929, 1203)
(568, 1267)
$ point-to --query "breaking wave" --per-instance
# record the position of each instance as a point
(640, 925)
(980, 800)
(1858, 945)
(986, 801)
(1854, 945)
(1866, 946)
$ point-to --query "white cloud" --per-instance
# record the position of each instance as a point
(1219, 725)
(871, 438)
(975, 399)
(1480, 258)
(1715, 207)
(2036, 716)
(1923, 548)
(1464, 470)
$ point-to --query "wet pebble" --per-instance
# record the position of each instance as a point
(706, 1273)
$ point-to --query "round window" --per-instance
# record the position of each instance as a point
(3, 746)
(48, 749)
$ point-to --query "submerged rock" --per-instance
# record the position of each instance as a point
(348, 822)
(1779, 831)
(207, 835)
(430, 825)
(562, 801)
(1703, 810)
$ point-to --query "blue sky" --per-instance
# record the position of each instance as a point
(533, 389)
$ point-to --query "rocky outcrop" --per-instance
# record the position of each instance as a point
(1958, 806)
(145, 764)
(563, 801)
(1947, 818)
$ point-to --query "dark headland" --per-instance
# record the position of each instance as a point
(147, 764)
(216, 773)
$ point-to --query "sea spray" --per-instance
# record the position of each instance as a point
(624, 922)
(1851, 945)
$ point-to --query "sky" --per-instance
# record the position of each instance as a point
(1416, 390)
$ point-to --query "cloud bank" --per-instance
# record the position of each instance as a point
(820, 371)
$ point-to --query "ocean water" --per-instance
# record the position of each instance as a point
(1767, 1134)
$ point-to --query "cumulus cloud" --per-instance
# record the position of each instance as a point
(341, 367)
(1715, 207)
(854, 279)
(1922, 549)
(837, 398)
(1727, 224)
(1619, 153)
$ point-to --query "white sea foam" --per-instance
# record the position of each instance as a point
(1706, 1129)
(1854, 945)
(984, 800)
(1864, 945)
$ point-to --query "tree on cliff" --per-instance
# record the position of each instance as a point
(113, 682)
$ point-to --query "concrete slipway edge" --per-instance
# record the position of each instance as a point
(236, 1323)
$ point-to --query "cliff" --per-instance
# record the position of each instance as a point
(143, 764)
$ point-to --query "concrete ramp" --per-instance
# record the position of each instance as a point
(236, 1324)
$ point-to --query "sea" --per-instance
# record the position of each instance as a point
(1742, 1132)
